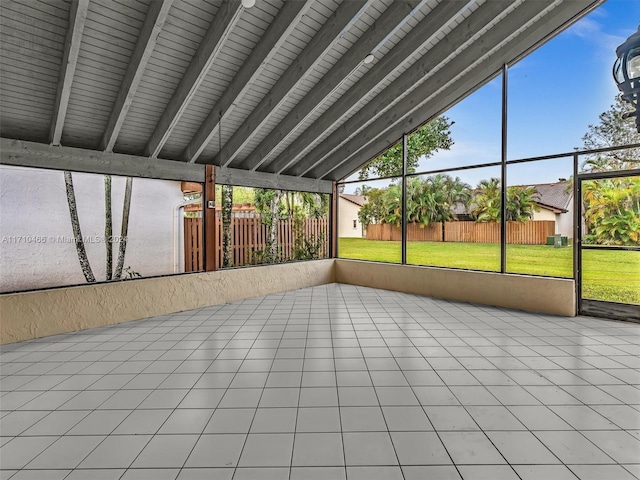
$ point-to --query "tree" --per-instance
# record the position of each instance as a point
(81, 251)
(124, 230)
(434, 199)
(612, 211)
(613, 130)
(521, 202)
(305, 206)
(77, 232)
(226, 210)
(372, 211)
(424, 142)
(612, 206)
(268, 203)
(429, 200)
(487, 201)
(108, 226)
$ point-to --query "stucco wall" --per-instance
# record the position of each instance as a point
(36, 246)
(31, 315)
(347, 213)
(564, 221)
(544, 214)
(537, 294)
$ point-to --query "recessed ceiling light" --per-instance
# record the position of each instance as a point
(248, 3)
(369, 58)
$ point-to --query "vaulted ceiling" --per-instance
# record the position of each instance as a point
(304, 88)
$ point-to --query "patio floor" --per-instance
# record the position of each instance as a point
(325, 383)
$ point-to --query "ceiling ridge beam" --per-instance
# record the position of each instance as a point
(153, 23)
(424, 32)
(329, 33)
(383, 27)
(223, 23)
(439, 99)
(275, 35)
(77, 21)
(434, 59)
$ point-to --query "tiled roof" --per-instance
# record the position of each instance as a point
(359, 200)
(556, 195)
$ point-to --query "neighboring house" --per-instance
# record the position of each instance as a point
(556, 203)
(348, 222)
(554, 199)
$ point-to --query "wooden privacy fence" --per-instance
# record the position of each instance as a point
(415, 233)
(533, 232)
(249, 235)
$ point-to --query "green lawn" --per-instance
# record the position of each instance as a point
(608, 275)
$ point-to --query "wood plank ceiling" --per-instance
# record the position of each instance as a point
(310, 88)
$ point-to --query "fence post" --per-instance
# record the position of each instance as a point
(209, 213)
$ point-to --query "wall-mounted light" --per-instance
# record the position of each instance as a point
(626, 73)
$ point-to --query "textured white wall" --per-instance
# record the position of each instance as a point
(564, 221)
(347, 213)
(35, 251)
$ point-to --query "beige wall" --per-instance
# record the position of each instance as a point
(537, 294)
(347, 213)
(544, 214)
(31, 315)
(564, 221)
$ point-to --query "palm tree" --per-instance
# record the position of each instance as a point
(75, 226)
(108, 229)
(226, 210)
(487, 201)
(521, 203)
(612, 211)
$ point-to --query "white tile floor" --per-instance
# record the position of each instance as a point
(332, 382)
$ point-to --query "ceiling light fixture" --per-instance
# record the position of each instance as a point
(248, 3)
(626, 73)
(369, 59)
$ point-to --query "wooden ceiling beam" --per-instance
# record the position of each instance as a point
(156, 16)
(442, 54)
(40, 155)
(273, 38)
(77, 20)
(461, 82)
(223, 23)
(346, 13)
(419, 36)
(389, 22)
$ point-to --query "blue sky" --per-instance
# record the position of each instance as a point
(554, 94)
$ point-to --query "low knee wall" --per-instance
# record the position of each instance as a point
(30, 315)
(537, 294)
